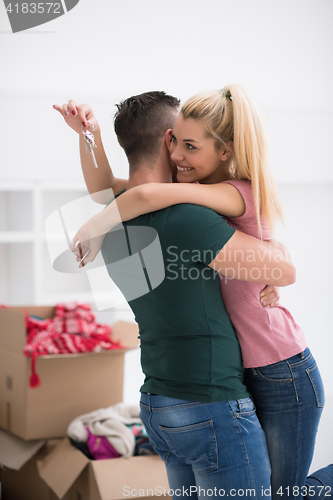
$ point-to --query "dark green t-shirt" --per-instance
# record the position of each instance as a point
(189, 348)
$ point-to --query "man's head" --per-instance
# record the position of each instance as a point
(140, 125)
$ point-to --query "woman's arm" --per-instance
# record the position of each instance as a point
(147, 198)
(223, 198)
(250, 259)
(99, 180)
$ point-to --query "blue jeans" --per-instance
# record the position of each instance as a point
(289, 399)
(209, 449)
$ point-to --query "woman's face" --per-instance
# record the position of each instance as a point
(195, 154)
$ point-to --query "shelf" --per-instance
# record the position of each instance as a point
(17, 272)
(13, 186)
(52, 298)
(53, 236)
(27, 274)
(17, 236)
(16, 211)
(64, 187)
(86, 297)
(54, 199)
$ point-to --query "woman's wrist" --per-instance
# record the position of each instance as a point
(106, 220)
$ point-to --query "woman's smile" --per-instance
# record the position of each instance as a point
(184, 169)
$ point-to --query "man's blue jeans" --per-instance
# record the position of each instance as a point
(289, 399)
(210, 450)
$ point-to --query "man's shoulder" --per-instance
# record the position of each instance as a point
(193, 226)
(179, 217)
(186, 211)
(186, 220)
(191, 209)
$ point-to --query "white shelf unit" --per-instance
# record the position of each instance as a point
(26, 272)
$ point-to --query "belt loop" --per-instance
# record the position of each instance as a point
(302, 355)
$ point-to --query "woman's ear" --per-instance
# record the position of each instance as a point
(167, 137)
(227, 150)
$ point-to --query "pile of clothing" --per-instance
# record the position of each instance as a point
(112, 432)
(73, 329)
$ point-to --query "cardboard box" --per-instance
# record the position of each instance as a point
(71, 476)
(55, 470)
(20, 479)
(71, 384)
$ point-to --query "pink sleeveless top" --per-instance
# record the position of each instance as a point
(266, 334)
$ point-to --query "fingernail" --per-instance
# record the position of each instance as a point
(83, 123)
(66, 112)
(74, 113)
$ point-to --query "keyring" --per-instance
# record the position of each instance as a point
(92, 128)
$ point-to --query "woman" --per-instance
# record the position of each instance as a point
(219, 141)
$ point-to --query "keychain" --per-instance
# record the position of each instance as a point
(90, 142)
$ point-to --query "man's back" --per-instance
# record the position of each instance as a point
(188, 346)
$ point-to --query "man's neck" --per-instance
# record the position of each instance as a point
(145, 174)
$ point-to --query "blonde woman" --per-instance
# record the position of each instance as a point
(219, 147)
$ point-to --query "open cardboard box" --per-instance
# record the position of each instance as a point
(71, 475)
(20, 479)
(55, 470)
(71, 384)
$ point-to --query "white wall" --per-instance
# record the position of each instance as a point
(104, 51)
(308, 209)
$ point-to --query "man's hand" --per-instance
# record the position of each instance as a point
(269, 296)
(77, 116)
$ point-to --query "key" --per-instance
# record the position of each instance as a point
(82, 257)
(90, 144)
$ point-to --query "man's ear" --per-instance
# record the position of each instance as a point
(167, 137)
(227, 150)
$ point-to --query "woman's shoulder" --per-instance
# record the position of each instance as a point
(243, 185)
(245, 189)
(248, 221)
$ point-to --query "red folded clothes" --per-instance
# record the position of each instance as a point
(72, 330)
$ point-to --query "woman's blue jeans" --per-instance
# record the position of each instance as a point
(210, 450)
(289, 399)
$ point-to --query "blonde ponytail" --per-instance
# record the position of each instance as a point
(230, 115)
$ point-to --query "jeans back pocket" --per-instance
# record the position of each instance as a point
(317, 384)
(195, 443)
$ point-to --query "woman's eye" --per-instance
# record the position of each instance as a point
(173, 138)
(190, 146)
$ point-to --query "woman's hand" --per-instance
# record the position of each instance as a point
(269, 296)
(87, 242)
(77, 116)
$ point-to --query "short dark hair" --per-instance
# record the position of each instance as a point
(141, 122)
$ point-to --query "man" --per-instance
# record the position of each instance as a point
(194, 404)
